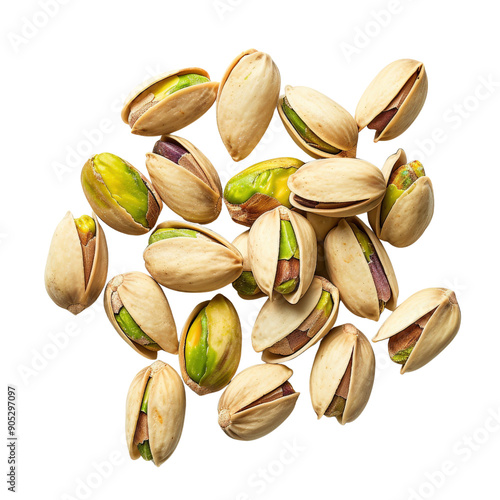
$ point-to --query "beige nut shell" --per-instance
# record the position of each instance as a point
(241, 243)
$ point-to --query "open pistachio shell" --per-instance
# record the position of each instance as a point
(187, 264)
(337, 187)
(351, 273)
(145, 302)
(439, 330)
(412, 211)
(173, 112)
(264, 250)
(246, 101)
(329, 121)
(73, 279)
(196, 198)
(257, 401)
(393, 99)
(165, 412)
(344, 348)
(278, 320)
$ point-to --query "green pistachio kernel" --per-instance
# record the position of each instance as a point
(86, 228)
(246, 285)
(401, 357)
(133, 331)
(144, 448)
(289, 249)
(337, 406)
(197, 346)
(364, 241)
(167, 87)
(171, 232)
(325, 303)
(288, 242)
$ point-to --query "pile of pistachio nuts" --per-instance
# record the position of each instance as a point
(305, 249)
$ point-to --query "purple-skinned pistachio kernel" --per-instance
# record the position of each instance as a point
(169, 150)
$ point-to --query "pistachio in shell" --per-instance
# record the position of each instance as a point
(156, 405)
(246, 100)
(139, 311)
(259, 188)
(119, 194)
(393, 100)
(257, 401)
(77, 264)
(169, 102)
(342, 375)
(359, 267)
(421, 327)
(191, 258)
(283, 331)
(317, 124)
(210, 346)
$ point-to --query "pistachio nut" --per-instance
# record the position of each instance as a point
(139, 311)
(393, 100)
(342, 374)
(408, 204)
(190, 258)
(319, 126)
(245, 284)
(322, 225)
(421, 327)
(169, 102)
(246, 100)
(259, 188)
(337, 187)
(156, 404)
(282, 252)
(282, 330)
(257, 401)
(77, 264)
(185, 179)
(210, 346)
(359, 267)
(119, 194)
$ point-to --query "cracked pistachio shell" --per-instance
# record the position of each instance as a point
(324, 117)
(246, 388)
(412, 212)
(439, 331)
(166, 409)
(181, 190)
(349, 271)
(384, 89)
(350, 185)
(175, 111)
(223, 345)
(241, 243)
(277, 319)
(64, 271)
(246, 101)
(145, 301)
(193, 264)
(330, 364)
(264, 246)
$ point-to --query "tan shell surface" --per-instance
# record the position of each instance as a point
(175, 111)
(338, 180)
(64, 274)
(246, 101)
(182, 263)
(321, 224)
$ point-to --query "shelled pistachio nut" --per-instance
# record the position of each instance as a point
(342, 374)
(139, 311)
(337, 187)
(119, 194)
(185, 179)
(246, 100)
(257, 401)
(169, 102)
(322, 226)
(319, 126)
(210, 346)
(245, 285)
(359, 267)
(282, 331)
(156, 404)
(282, 252)
(77, 264)
(393, 100)
(259, 188)
(421, 327)
(408, 204)
(190, 258)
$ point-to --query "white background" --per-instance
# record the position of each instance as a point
(427, 434)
